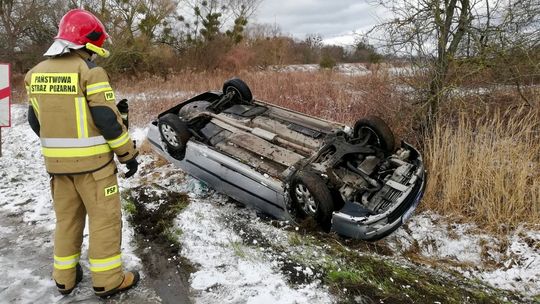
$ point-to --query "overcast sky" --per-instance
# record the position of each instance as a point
(335, 20)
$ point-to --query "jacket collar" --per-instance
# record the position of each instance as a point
(83, 54)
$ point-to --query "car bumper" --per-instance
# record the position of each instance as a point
(354, 223)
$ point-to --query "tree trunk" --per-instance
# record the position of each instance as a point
(446, 49)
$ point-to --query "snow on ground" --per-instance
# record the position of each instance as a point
(511, 262)
(26, 219)
(231, 272)
(345, 68)
(214, 239)
(351, 69)
(521, 270)
(227, 271)
(27, 226)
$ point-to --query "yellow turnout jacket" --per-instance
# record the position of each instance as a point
(73, 111)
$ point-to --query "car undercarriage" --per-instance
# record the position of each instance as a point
(353, 181)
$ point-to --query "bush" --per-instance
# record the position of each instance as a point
(140, 57)
(240, 57)
(327, 62)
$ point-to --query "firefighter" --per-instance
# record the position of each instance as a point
(72, 110)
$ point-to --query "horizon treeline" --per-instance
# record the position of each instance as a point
(160, 36)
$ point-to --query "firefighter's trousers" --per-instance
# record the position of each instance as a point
(97, 195)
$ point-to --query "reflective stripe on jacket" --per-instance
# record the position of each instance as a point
(72, 108)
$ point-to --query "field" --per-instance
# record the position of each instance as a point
(477, 225)
(479, 159)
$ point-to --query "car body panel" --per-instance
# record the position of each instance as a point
(228, 176)
(254, 168)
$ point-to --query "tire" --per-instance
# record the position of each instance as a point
(241, 89)
(311, 197)
(175, 134)
(380, 134)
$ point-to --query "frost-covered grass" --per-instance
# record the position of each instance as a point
(511, 262)
(129, 207)
(356, 274)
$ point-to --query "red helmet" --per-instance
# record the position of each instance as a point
(80, 27)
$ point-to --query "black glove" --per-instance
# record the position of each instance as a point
(123, 108)
(132, 165)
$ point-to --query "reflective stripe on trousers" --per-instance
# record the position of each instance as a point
(98, 265)
(67, 262)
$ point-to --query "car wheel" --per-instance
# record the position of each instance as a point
(175, 134)
(239, 87)
(312, 198)
(374, 131)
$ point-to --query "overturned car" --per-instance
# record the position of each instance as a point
(290, 165)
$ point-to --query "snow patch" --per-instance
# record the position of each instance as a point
(481, 256)
(521, 269)
(230, 271)
(350, 69)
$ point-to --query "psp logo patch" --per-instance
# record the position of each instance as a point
(111, 190)
(109, 95)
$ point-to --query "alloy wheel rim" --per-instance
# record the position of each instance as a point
(170, 135)
(305, 199)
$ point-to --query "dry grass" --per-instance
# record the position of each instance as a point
(18, 92)
(486, 170)
(329, 95)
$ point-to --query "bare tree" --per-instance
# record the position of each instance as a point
(26, 27)
(257, 31)
(428, 29)
(436, 33)
(244, 8)
(130, 19)
(509, 39)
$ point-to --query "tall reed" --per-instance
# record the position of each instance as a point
(486, 170)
